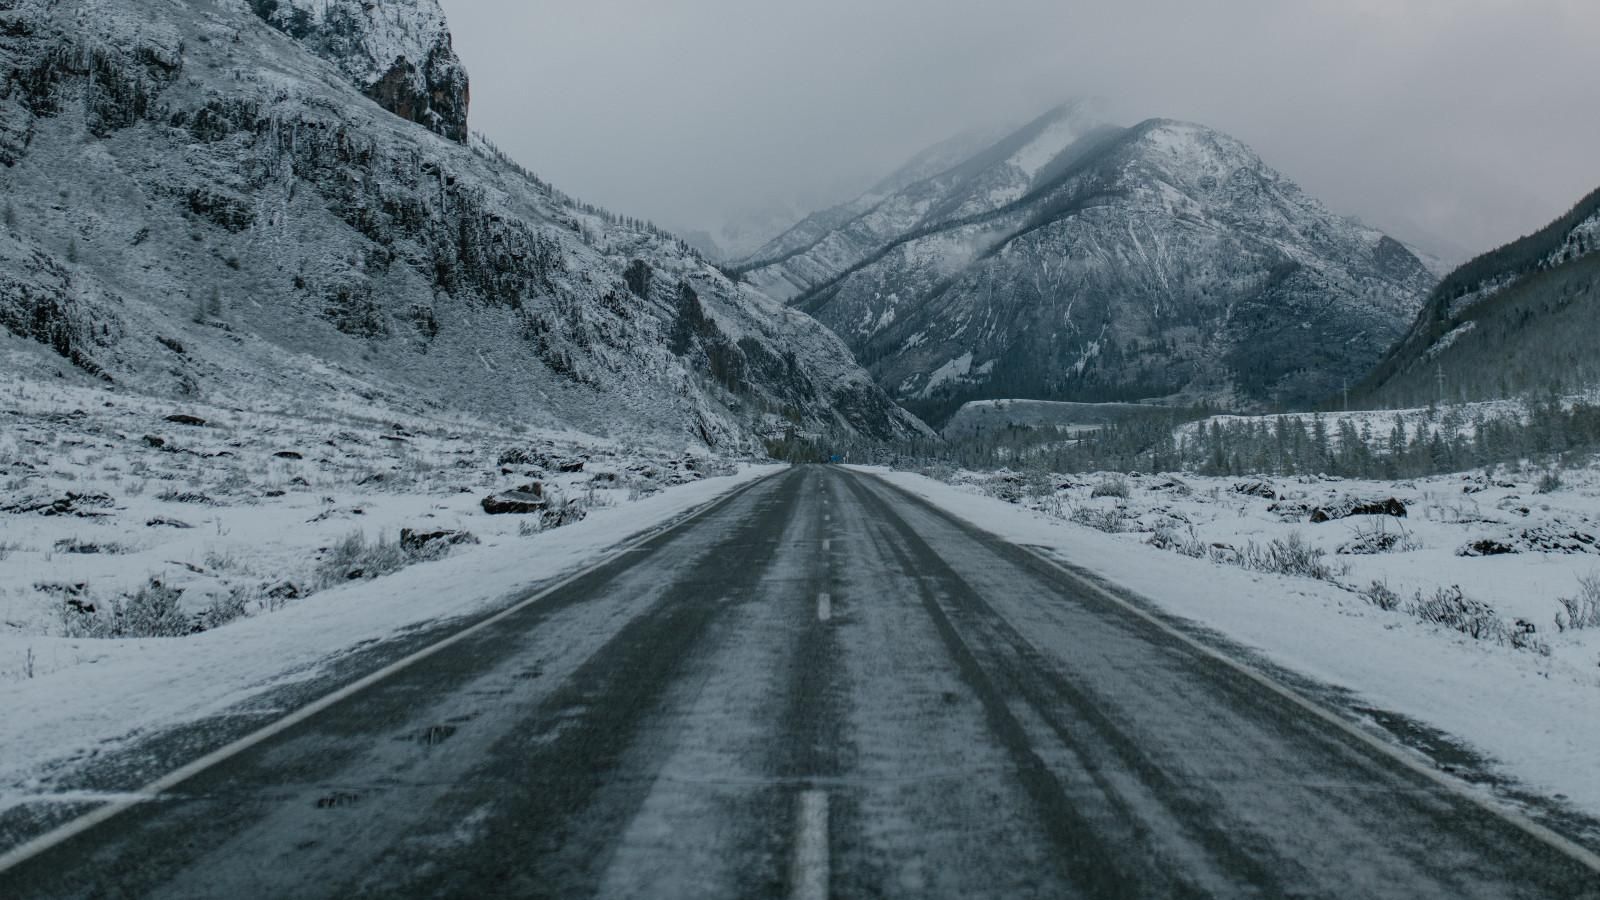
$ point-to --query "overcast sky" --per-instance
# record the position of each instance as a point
(1458, 124)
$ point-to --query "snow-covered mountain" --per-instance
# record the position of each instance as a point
(1079, 261)
(1518, 319)
(969, 173)
(196, 203)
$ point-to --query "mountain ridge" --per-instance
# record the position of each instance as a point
(1511, 320)
(1165, 260)
(196, 204)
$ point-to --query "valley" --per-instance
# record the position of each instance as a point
(1084, 509)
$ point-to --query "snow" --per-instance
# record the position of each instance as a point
(261, 521)
(395, 29)
(1536, 717)
(954, 370)
(1055, 138)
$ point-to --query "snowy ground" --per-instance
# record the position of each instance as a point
(281, 528)
(1529, 702)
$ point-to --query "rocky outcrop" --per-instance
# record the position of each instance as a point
(398, 52)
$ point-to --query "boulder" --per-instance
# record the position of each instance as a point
(418, 543)
(1352, 506)
(514, 503)
(1256, 489)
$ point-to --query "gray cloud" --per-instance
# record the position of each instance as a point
(1461, 123)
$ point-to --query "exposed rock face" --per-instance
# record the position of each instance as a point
(1077, 261)
(398, 52)
(194, 204)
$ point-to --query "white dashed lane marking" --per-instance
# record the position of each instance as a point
(811, 868)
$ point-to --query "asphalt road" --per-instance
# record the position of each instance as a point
(822, 687)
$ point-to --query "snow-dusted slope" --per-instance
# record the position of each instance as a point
(398, 52)
(966, 174)
(1090, 263)
(1521, 318)
(195, 203)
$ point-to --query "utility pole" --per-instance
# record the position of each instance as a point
(1441, 383)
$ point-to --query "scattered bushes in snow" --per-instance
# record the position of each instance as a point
(1112, 520)
(1112, 486)
(1583, 610)
(6, 549)
(1375, 537)
(153, 611)
(1288, 556)
(355, 559)
(1281, 556)
(1475, 619)
(1550, 483)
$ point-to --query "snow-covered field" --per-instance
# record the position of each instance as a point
(269, 538)
(1524, 694)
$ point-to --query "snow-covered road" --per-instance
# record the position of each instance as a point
(821, 686)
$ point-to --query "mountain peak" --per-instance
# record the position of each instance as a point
(1074, 260)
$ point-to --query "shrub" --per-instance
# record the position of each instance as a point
(1374, 538)
(1379, 595)
(1111, 521)
(1550, 483)
(1454, 610)
(226, 609)
(1112, 486)
(1525, 638)
(353, 559)
(1289, 556)
(1582, 611)
(154, 610)
(1166, 537)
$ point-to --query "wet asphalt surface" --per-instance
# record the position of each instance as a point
(823, 687)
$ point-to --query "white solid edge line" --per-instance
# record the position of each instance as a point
(1556, 841)
(811, 866)
(1553, 839)
(74, 827)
